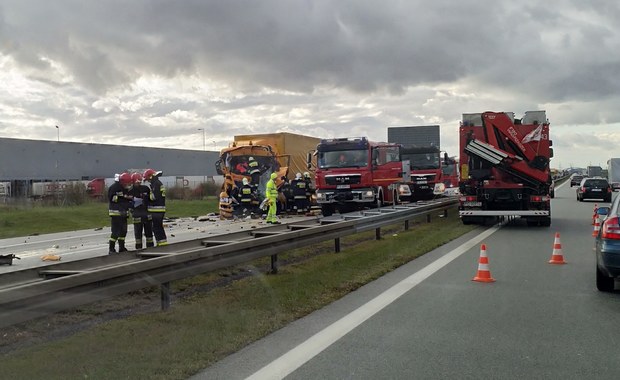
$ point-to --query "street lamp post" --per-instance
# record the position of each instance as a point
(204, 148)
(204, 138)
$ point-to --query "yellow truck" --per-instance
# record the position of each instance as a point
(282, 152)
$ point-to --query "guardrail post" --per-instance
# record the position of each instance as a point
(337, 245)
(274, 264)
(445, 213)
(165, 296)
(406, 224)
(378, 234)
(428, 218)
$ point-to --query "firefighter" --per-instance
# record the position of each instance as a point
(226, 205)
(299, 193)
(271, 192)
(119, 201)
(247, 197)
(141, 218)
(157, 205)
(254, 171)
(287, 195)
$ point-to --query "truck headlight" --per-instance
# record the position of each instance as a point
(404, 189)
(370, 194)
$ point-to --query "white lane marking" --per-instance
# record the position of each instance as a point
(296, 357)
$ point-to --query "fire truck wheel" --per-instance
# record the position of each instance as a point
(327, 210)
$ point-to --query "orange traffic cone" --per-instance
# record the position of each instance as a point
(597, 226)
(484, 274)
(594, 215)
(557, 257)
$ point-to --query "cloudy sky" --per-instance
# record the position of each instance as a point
(151, 73)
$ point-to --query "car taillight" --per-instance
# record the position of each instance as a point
(611, 229)
(583, 189)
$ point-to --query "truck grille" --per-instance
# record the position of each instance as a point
(423, 178)
(343, 179)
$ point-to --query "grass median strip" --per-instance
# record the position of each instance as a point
(28, 220)
(206, 326)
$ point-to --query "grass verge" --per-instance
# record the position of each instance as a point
(33, 220)
(206, 326)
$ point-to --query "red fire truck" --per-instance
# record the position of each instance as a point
(353, 173)
(504, 166)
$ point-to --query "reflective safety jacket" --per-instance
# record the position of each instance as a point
(271, 190)
(157, 197)
(118, 205)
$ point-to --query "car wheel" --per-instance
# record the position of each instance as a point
(604, 283)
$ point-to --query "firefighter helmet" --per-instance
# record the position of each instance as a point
(251, 159)
(306, 175)
(136, 178)
(298, 176)
(245, 181)
(273, 176)
(148, 174)
(125, 179)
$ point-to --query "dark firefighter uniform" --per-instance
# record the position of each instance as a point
(157, 206)
(254, 171)
(247, 197)
(299, 194)
(287, 194)
(142, 220)
(119, 203)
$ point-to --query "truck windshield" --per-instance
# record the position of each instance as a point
(343, 159)
(449, 169)
(421, 161)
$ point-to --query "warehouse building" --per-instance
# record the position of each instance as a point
(25, 162)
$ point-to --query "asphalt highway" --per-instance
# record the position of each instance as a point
(78, 245)
(429, 320)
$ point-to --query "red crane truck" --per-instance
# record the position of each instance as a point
(354, 173)
(504, 167)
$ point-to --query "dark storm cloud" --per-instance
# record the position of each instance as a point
(361, 46)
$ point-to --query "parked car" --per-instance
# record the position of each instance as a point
(607, 246)
(575, 180)
(615, 186)
(594, 188)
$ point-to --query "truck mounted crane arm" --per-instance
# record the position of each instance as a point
(504, 148)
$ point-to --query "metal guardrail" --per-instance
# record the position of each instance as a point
(33, 293)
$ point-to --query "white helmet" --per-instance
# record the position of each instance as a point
(298, 176)
(245, 181)
(251, 159)
(306, 174)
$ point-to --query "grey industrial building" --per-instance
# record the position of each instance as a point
(26, 161)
